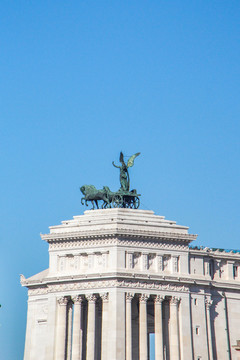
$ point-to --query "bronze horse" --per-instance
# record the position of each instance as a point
(92, 194)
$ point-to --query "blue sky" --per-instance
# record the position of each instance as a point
(82, 80)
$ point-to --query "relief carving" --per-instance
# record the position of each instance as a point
(152, 285)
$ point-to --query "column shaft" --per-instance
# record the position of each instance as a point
(105, 338)
(158, 327)
(174, 329)
(77, 330)
(129, 297)
(61, 329)
(143, 340)
(91, 327)
(210, 344)
(69, 332)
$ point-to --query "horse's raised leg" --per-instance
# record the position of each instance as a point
(96, 204)
(106, 202)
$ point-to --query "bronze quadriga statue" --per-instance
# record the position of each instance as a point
(123, 198)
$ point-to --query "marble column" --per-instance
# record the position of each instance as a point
(208, 303)
(77, 329)
(61, 329)
(105, 327)
(174, 329)
(91, 326)
(158, 300)
(69, 331)
(143, 340)
(129, 297)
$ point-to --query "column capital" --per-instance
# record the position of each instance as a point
(143, 298)
(104, 296)
(129, 296)
(63, 300)
(208, 302)
(158, 299)
(91, 298)
(175, 300)
(77, 299)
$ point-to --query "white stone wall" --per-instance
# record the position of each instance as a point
(118, 252)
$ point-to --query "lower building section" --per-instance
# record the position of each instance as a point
(131, 325)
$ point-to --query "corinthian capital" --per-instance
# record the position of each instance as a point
(129, 296)
(158, 299)
(91, 298)
(63, 300)
(143, 298)
(175, 300)
(208, 303)
(77, 299)
(104, 296)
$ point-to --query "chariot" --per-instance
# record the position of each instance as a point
(123, 198)
(126, 199)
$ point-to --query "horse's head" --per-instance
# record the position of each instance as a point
(83, 189)
(106, 188)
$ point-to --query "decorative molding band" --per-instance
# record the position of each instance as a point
(160, 244)
(117, 233)
(136, 285)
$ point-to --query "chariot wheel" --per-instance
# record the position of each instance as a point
(136, 202)
(117, 201)
(131, 203)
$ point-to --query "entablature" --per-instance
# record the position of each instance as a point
(122, 279)
(120, 234)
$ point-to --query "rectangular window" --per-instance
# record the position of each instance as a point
(211, 268)
(235, 271)
(197, 330)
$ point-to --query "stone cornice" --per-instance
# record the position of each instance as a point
(214, 254)
(135, 278)
(127, 284)
(125, 233)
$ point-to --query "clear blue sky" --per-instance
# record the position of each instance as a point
(82, 80)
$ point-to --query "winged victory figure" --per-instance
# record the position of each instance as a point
(124, 174)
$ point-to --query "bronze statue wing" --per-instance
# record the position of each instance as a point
(121, 159)
(131, 159)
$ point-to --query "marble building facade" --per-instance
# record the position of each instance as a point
(118, 278)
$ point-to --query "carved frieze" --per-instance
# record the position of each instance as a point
(134, 284)
(71, 244)
(83, 261)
